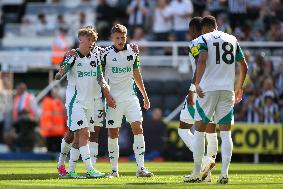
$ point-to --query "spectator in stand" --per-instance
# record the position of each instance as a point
(60, 46)
(27, 28)
(181, 11)
(275, 32)
(25, 115)
(82, 21)
(216, 6)
(154, 133)
(5, 107)
(237, 12)
(270, 109)
(61, 23)
(43, 27)
(139, 36)
(162, 24)
(52, 121)
(223, 23)
(104, 19)
(199, 7)
(138, 11)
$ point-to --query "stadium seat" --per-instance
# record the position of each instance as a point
(171, 87)
(154, 87)
(156, 101)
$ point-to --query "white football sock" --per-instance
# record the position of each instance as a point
(212, 145)
(226, 151)
(113, 149)
(139, 150)
(187, 136)
(74, 157)
(85, 153)
(93, 148)
(65, 148)
(198, 150)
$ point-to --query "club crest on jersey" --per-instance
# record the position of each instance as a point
(93, 63)
(114, 60)
(79, 64)
(129, 58)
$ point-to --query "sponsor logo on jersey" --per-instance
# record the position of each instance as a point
(117, 70)
(87, 74)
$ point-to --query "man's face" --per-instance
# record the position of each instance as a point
(87, 41)
(119, 40)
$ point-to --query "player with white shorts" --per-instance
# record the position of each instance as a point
(121, 71)
(215, 78)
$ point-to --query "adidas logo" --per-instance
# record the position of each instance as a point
(79, 64)
(114, 59)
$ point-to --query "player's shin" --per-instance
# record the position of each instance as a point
(139, 150)
(198, 150)
(187, 136)
(74, 157)
(212, 145)
(113, 149)
(65, 148)
(226, 151)
(93, 147)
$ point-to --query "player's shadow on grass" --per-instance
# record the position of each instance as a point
(31, 176)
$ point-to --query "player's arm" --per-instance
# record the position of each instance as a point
(139, 82)
(104, 85)
(201, 65)
(64, 68)
(240, 58)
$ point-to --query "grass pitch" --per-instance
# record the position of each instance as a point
(43, 174)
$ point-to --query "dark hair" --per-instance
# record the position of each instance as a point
(209, 21)
(196, 22)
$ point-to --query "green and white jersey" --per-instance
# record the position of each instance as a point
(86, 69)
(193, 53)
(119, 66)
(223, 52)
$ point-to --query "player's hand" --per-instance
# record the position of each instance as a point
(71, 53)
(135, 48)
(58, 76)
(190, 98)
(238, 95)
(110, 101)
(199, 91)
(146, 103)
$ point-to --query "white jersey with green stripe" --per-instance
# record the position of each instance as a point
(86, 69)
(193, 53)
(119, 66)
(223, 52)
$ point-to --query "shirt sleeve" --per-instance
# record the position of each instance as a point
(239, 53)
(137, 62)
(202, 45)
(68, 63)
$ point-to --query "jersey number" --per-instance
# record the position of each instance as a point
(228, 50)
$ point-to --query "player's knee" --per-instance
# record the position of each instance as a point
(184, 125)
(93, 136)
(113, 133)
(69, 137)
(137, 129)
(84, 135)
(75, 145)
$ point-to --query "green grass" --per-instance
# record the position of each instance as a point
(43, 174)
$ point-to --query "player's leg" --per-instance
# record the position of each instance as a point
(69, 136)
(66, 145)
(205, 109)
(94, 128)
(211, 150)
(224, 117)
(96, 123)
(186, 123)
(113, 123)
(74, 157)
(134, 116)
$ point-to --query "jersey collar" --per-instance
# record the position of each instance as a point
(117, 50)
(81, 55)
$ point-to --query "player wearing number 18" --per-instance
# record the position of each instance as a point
(215, 78)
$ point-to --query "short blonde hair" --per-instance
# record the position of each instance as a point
(119, 28)
(88, 31)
